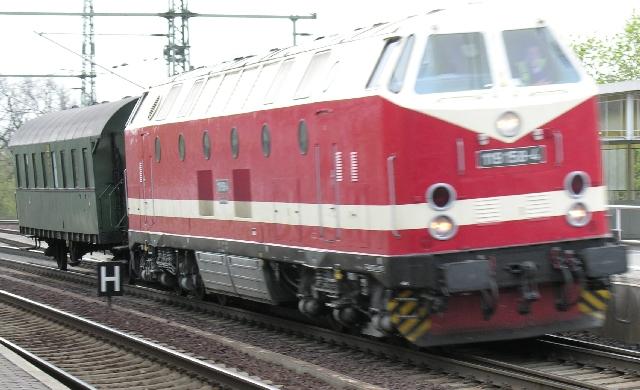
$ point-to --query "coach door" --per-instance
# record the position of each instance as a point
(148, 146)
(328, 177)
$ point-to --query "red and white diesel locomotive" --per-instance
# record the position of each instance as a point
(438, 177)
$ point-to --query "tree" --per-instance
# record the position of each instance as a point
(20, 102)
(612, 59)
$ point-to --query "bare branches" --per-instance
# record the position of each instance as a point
(26, 100)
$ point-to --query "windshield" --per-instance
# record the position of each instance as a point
(535, 58)
(454, 62)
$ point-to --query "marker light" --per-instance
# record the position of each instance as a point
(576, 183)
(440, 196)
(508, 124)
(442, 227)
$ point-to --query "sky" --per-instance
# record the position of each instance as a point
(138, 56)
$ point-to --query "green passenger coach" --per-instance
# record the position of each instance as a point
(70, 184)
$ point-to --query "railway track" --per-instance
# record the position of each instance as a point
(85, 354)
(557, 365)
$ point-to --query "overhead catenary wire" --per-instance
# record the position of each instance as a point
(84, 57)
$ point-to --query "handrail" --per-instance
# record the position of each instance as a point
(618, 208)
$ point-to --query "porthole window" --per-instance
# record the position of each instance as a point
(235, 143)
(206, 145)
(181, 147)
(303, 137)
(158, 150)
(266, 140)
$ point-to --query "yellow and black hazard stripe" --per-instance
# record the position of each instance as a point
(409, 318)
(594, 303)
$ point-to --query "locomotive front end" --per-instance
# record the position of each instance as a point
(497, 160)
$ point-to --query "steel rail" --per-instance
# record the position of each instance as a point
(482, 371)
(176, 359)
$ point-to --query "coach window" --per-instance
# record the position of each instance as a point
(18, 176)
(181, 147)
(168, 102)
(399, 72)
(86, 165)
(74, 168)
(46, 169)
(26, 170)
(35, 170)
(454, 62)
(303, 137)
(54, 165)
(391, 45)
(235, 143)
(158, 150)
(206, 145)
(266, 140)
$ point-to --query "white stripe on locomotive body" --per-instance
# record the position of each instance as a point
(380, 217)
(354, 56)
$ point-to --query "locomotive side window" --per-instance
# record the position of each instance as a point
(314, 74)
(157, 150)
(242, 89)
(535, 58)
(224, 92)
(389, 48)
(192, 96)
(397, 78)
(303, 137)
(454, 62)
(167, 104)
(266, 140)
(235, 143)
(263, 82)
(206, 145)
(181, 147)
(279, 82)
(209, 91)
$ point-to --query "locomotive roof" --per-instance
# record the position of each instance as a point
(69, 124)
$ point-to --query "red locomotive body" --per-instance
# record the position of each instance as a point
(419, 177)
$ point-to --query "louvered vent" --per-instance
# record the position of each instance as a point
(154, 107)
(140, 170)
(487, 210)
(538, 205)
(338, 158)
(353, 157)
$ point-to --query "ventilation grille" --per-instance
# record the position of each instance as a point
(354, 166)
(487, 210)
(153, 108)
(140, 170)
(338, 158)
(537, 205)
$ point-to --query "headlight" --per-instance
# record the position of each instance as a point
(508, 124)
(578, 215)
(442, 227)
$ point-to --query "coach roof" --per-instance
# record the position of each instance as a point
(69, 124)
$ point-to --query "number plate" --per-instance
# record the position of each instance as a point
(511, 157)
